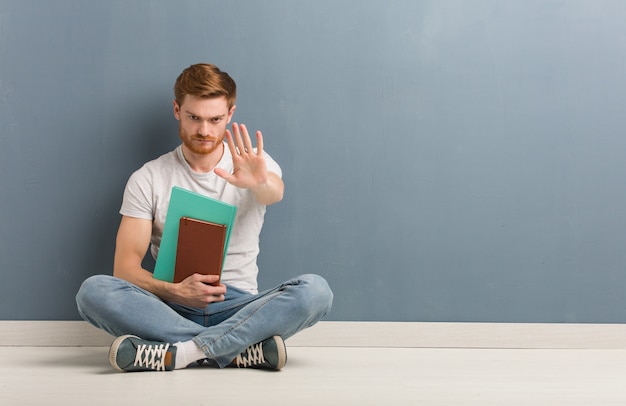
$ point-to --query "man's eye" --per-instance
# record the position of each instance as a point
(217, 119)
(194, 118)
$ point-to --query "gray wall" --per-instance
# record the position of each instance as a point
(444, 160)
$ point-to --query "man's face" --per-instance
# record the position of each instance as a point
(202, 122)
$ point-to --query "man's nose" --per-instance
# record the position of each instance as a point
(204, 129)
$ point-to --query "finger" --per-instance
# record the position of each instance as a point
(223, 174)
(212, 280)
(237, 137)
(231, 143)
(208, 278)
(259, 143)
(247, 143)
(221, 288)
(216, 289)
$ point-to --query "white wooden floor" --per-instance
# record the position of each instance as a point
(335, 363)
(325, 376)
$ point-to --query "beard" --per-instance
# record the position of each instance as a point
(199, 144)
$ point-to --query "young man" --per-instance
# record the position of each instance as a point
(165, 326)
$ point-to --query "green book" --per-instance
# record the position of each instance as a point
(184, 203)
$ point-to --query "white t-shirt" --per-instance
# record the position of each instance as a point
(147, 197)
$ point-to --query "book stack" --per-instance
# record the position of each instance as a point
(195, 236)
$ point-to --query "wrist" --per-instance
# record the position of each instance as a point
(270, 191)
(168, 291)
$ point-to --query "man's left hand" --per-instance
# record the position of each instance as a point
(249, 169)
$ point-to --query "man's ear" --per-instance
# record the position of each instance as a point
(230, 113)
(176, 110)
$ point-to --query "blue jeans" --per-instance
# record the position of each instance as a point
(223, 329)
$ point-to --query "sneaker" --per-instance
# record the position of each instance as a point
(132, 354)
(268, 354)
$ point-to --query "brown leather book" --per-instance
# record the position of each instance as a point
(200, 248)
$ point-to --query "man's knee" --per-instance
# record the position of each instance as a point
(318, 293)
(93, 291)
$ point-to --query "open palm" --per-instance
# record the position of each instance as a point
(249, 169)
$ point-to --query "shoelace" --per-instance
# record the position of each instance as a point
(151, 356)
(253, 355)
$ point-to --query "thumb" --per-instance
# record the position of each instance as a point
(222, 174)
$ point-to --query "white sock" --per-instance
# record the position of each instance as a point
(186, 353)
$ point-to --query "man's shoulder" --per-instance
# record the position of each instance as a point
(165, 162)
(154, 170)
(167, 159)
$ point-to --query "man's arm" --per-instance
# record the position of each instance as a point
(133, 240)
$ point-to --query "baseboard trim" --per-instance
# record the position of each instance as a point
(361, 334)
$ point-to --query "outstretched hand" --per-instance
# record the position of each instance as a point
(249, 169)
